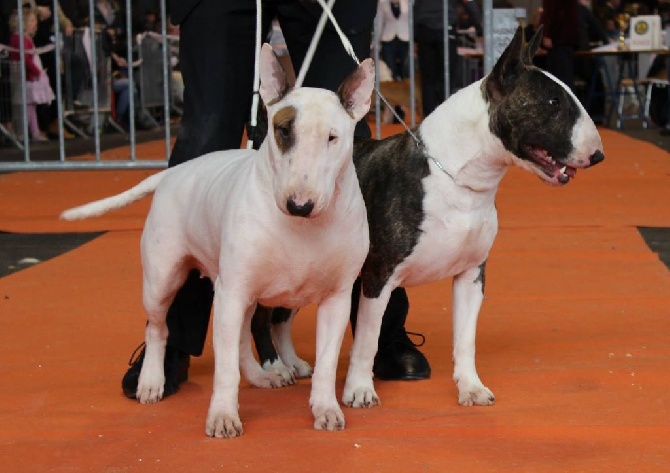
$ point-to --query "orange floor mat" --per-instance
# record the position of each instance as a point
(573, 338)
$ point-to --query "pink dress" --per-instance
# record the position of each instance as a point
(38, 89)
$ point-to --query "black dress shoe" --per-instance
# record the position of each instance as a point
(176, 371)
(400, 360)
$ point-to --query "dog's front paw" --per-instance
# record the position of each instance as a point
(475, 395)
(331, 419)
(361, 397)
(150, 391)
(222, 425)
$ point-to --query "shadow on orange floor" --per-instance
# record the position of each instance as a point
(574, 339)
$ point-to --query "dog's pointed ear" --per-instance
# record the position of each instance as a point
(273, 85)
(507, 68)
(355, 91)
(533, 45)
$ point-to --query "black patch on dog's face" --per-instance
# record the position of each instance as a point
(536, 112)
(390, 174)
(531, 113)
(283, 123)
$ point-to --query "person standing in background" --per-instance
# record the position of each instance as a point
(394, 18)
(562, 26)
(429, 35)
(38, 90)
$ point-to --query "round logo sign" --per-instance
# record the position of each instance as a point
(641, 27)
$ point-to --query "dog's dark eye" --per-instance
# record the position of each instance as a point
(332, 138)
(284, 131)
(554, 102)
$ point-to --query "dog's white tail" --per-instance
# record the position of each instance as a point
(99, 207)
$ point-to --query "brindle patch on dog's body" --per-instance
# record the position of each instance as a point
(393, 194)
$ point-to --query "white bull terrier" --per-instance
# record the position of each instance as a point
(285, 225)
(431, 201)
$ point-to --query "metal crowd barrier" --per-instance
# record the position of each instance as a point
(154, 71)
(85, 100)
(86, 104)
(78, 71)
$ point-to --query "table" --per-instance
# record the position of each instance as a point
(627, 78)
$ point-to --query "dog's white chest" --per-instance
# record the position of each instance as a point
(314, 263)
(457, 234)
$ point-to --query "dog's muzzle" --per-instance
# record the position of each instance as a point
(596, 158)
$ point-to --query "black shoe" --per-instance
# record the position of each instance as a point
(400, 360)
(176, 371)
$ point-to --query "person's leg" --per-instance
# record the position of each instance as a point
(217, 70)
(402, 52)
(387, 55)
(33, 125)
(431, 67)
(121, 90)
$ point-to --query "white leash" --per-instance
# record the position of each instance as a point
(253, 122)
(327, 14)
(315, 41)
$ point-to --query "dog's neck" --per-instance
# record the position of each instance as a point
(457, 136)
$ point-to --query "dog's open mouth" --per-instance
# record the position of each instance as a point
(553, 170)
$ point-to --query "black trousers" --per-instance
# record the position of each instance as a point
(217, 41)
(430, 48)
(561, 63)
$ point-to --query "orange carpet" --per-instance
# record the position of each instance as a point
(573, 338)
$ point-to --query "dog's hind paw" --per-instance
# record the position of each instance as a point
(476, 396)
(273, 375)
(223, 426)
(361, 397)
(268, 380)
(330, 420)
(301, 369)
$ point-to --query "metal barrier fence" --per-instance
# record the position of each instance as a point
(86, 101)
(152, 68)
(87, 96)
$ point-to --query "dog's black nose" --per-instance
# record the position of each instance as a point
(299, 210)
(596, 158)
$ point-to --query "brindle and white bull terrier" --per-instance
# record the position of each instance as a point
(430, 198)
(285, 225)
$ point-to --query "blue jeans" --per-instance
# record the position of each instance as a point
(121, 88)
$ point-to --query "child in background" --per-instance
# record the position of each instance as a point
(38, 90)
